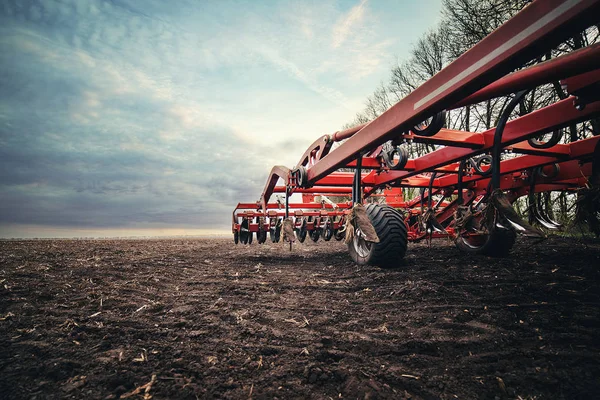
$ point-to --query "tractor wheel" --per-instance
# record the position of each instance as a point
(236, 237)
(391, 230)
(495, 244)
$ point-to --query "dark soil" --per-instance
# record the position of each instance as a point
(207, 319)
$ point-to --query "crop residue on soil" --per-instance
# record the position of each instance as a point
(204, 318)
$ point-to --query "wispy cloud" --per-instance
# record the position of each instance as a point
(121, 114)
(309, 80)
(347, 23)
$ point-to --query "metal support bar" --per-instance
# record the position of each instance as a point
(287, 203)
(537, 28)
(357, 187)
(497, 146)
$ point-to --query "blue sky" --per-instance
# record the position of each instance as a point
(146, 117)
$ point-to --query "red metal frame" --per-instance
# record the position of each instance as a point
(482, 73)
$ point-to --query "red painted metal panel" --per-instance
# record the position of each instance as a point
(543, 120)
(532, 31)
(568, 65)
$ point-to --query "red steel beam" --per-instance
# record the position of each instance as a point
(338, 179)
(316, 190)
(345, 134)
(559, 150)
(568, 65)
(579, 149)
(576, 83)
(277, 206)
(277, 172)
(537, 28)
(451, 137)
(543, 120)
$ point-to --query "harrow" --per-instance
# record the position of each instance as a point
(352, 182)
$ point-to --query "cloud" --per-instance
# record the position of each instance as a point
(289, 67)
(89, 141)
(347, 23)
(126, 114)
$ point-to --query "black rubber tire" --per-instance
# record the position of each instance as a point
(302, 231)
(236, 237)
(392, 232)
(497, 244)
(437, 122)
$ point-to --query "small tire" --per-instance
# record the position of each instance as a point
(236, 237)
(498, 243)
(392, 232)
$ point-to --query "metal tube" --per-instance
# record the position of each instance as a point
(555, 21)
(430, 198)
(497, 147)
(577, 62)
(287, 203)
(461, 172)
(356, 187)
(345, 134)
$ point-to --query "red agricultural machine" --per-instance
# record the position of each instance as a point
(469, 183)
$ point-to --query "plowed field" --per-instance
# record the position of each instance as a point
(203, 318)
